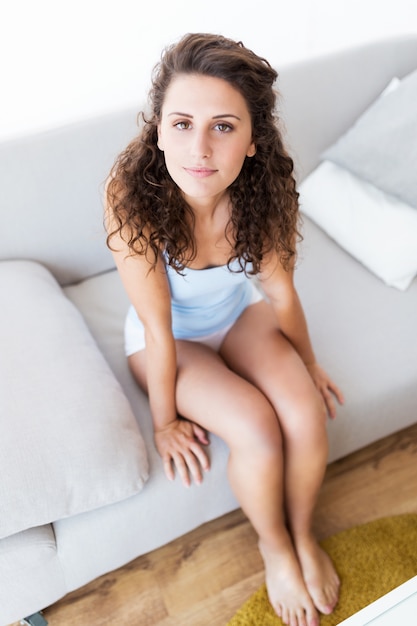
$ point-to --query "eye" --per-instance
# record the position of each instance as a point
(182, 125)
(222, 127)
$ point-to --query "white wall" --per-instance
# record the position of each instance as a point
(65, 61)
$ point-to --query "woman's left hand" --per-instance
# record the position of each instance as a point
(328, 389)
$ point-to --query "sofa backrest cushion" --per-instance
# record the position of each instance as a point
(323, 96)
(51, 185)
(51, 195)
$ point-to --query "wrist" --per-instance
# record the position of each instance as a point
(161, 426)
(310, 363)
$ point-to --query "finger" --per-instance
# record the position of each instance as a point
(200, 434)
(168, 469)
(339, 395)
(329, 402)
(194, 468)
(182, 469)
(336, 392)
(201, 456)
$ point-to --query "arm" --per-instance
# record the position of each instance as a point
(177, 441)
(278, 285)
(148, 292)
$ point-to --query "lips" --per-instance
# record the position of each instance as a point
(200, 172)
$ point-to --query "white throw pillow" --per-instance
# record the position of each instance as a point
(377, 229)
(69, 441)
(381, 146)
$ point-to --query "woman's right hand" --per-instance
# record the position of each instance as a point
(179, 444)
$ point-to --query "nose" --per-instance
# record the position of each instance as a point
(201, 144)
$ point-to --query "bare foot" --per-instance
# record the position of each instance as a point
(319, 574)
(287, 591)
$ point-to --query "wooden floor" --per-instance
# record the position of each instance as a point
(203, 578)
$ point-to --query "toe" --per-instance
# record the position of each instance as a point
(293, 621)
(301, 618)
(312, 618)
(324, 604)
(329, 600)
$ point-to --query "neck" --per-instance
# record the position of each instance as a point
(207, 208)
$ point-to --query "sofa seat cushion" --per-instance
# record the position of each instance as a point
(69, 441)
(29, 561)
(364, 335)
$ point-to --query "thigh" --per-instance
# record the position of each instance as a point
(256, 350)
(220, 400)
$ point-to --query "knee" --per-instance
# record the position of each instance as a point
(307, 426)
(258, 428)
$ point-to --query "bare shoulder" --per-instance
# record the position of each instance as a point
(142, 273)
(275, 279)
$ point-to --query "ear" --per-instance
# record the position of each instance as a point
(251, 150)
(159, 142)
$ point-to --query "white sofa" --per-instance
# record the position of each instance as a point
(82, 490)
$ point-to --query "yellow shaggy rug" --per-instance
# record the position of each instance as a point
(371, 560)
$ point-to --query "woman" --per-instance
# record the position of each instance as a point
(201, 201)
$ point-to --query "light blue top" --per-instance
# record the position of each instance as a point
(205, 301)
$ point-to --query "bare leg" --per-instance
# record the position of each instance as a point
(212, 395)
(256, 350)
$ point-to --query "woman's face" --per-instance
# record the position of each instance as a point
(206, 133)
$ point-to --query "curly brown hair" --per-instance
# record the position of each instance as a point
(148, 208)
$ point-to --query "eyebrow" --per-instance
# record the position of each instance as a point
(215, 117)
